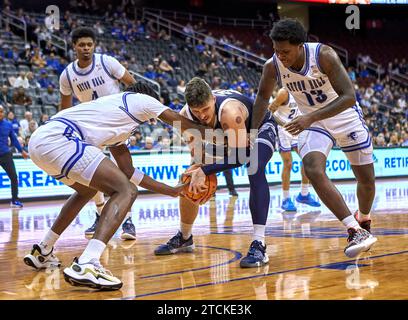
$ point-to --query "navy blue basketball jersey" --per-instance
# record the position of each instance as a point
(222, 97)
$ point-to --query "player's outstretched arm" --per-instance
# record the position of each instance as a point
(265, 89)
(124, 161)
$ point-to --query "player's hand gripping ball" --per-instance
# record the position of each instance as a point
(201, 197)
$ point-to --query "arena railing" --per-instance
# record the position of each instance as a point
(15, 21)
(197, 36)
(143, 78)
(342, 52)
(222, 21)
(400, 78)
(375, 67)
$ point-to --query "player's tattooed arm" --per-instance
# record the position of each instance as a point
(232, 120)
(265, 89)
(332, 66)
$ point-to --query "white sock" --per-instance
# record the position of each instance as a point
(286, 194)
(128, 215)
(363, 216)
(93, 250)
(304, 189)
(186, 230)
(48, 242)
(259, 233)
(351, 222)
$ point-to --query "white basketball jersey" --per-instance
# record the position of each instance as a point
(287, 112)
(310, 87)
(100, 79)
(110, 120)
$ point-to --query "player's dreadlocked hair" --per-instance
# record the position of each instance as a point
(140, 87)
(288, 30)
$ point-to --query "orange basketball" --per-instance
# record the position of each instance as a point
(210, 181)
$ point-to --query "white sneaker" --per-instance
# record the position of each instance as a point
(92, 275)
(359, 240)
(37, 260)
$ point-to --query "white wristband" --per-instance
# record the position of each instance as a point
(137, 177)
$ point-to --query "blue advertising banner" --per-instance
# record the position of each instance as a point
(166, 167)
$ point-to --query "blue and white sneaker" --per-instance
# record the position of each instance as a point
(256, 257)
(288, 205)
(309, 200)
(91, 230)
(175, 244)
(129, 230)
(16, 204)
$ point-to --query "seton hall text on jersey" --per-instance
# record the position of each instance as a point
(297, 86)
(83, 86)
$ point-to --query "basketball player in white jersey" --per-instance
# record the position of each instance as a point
(316, 78)
(69, 148)
(284, 108)
(92, 76)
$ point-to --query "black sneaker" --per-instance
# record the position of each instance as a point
(359, 240)
(233, 193)
(256, 256)
(129, 230)
(175, 244)
(91, 230)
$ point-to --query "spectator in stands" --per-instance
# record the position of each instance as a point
(163, 35)
(37, 60)
(32, 81)
(32, 126)
(200, 47)
(53, 61)
(14, 123)
(181, 87)
(404, 139)
(28, 116)
(44, 80)
(176, 105)
(6, 157)
(352, 74)
(242, 83)
(21, 98)
(379, 141)
(162, 64)
(21, 81)
(49, 48)
(209, 39)
(99, 28)
(6, 98)
(188, 29)
(164, 144)
(174, 63)
(202, 70)
(25, 56)
(15, 55)
(132, 145)
(148, 145)
(150, 72)
(394, 141)
(134, 66)
(50, 97)
(43, 119)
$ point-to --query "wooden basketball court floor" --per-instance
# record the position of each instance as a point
(305, 251)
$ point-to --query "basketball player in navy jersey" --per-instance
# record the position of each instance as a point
(230, 111)
(92, 76)
(316, 78)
